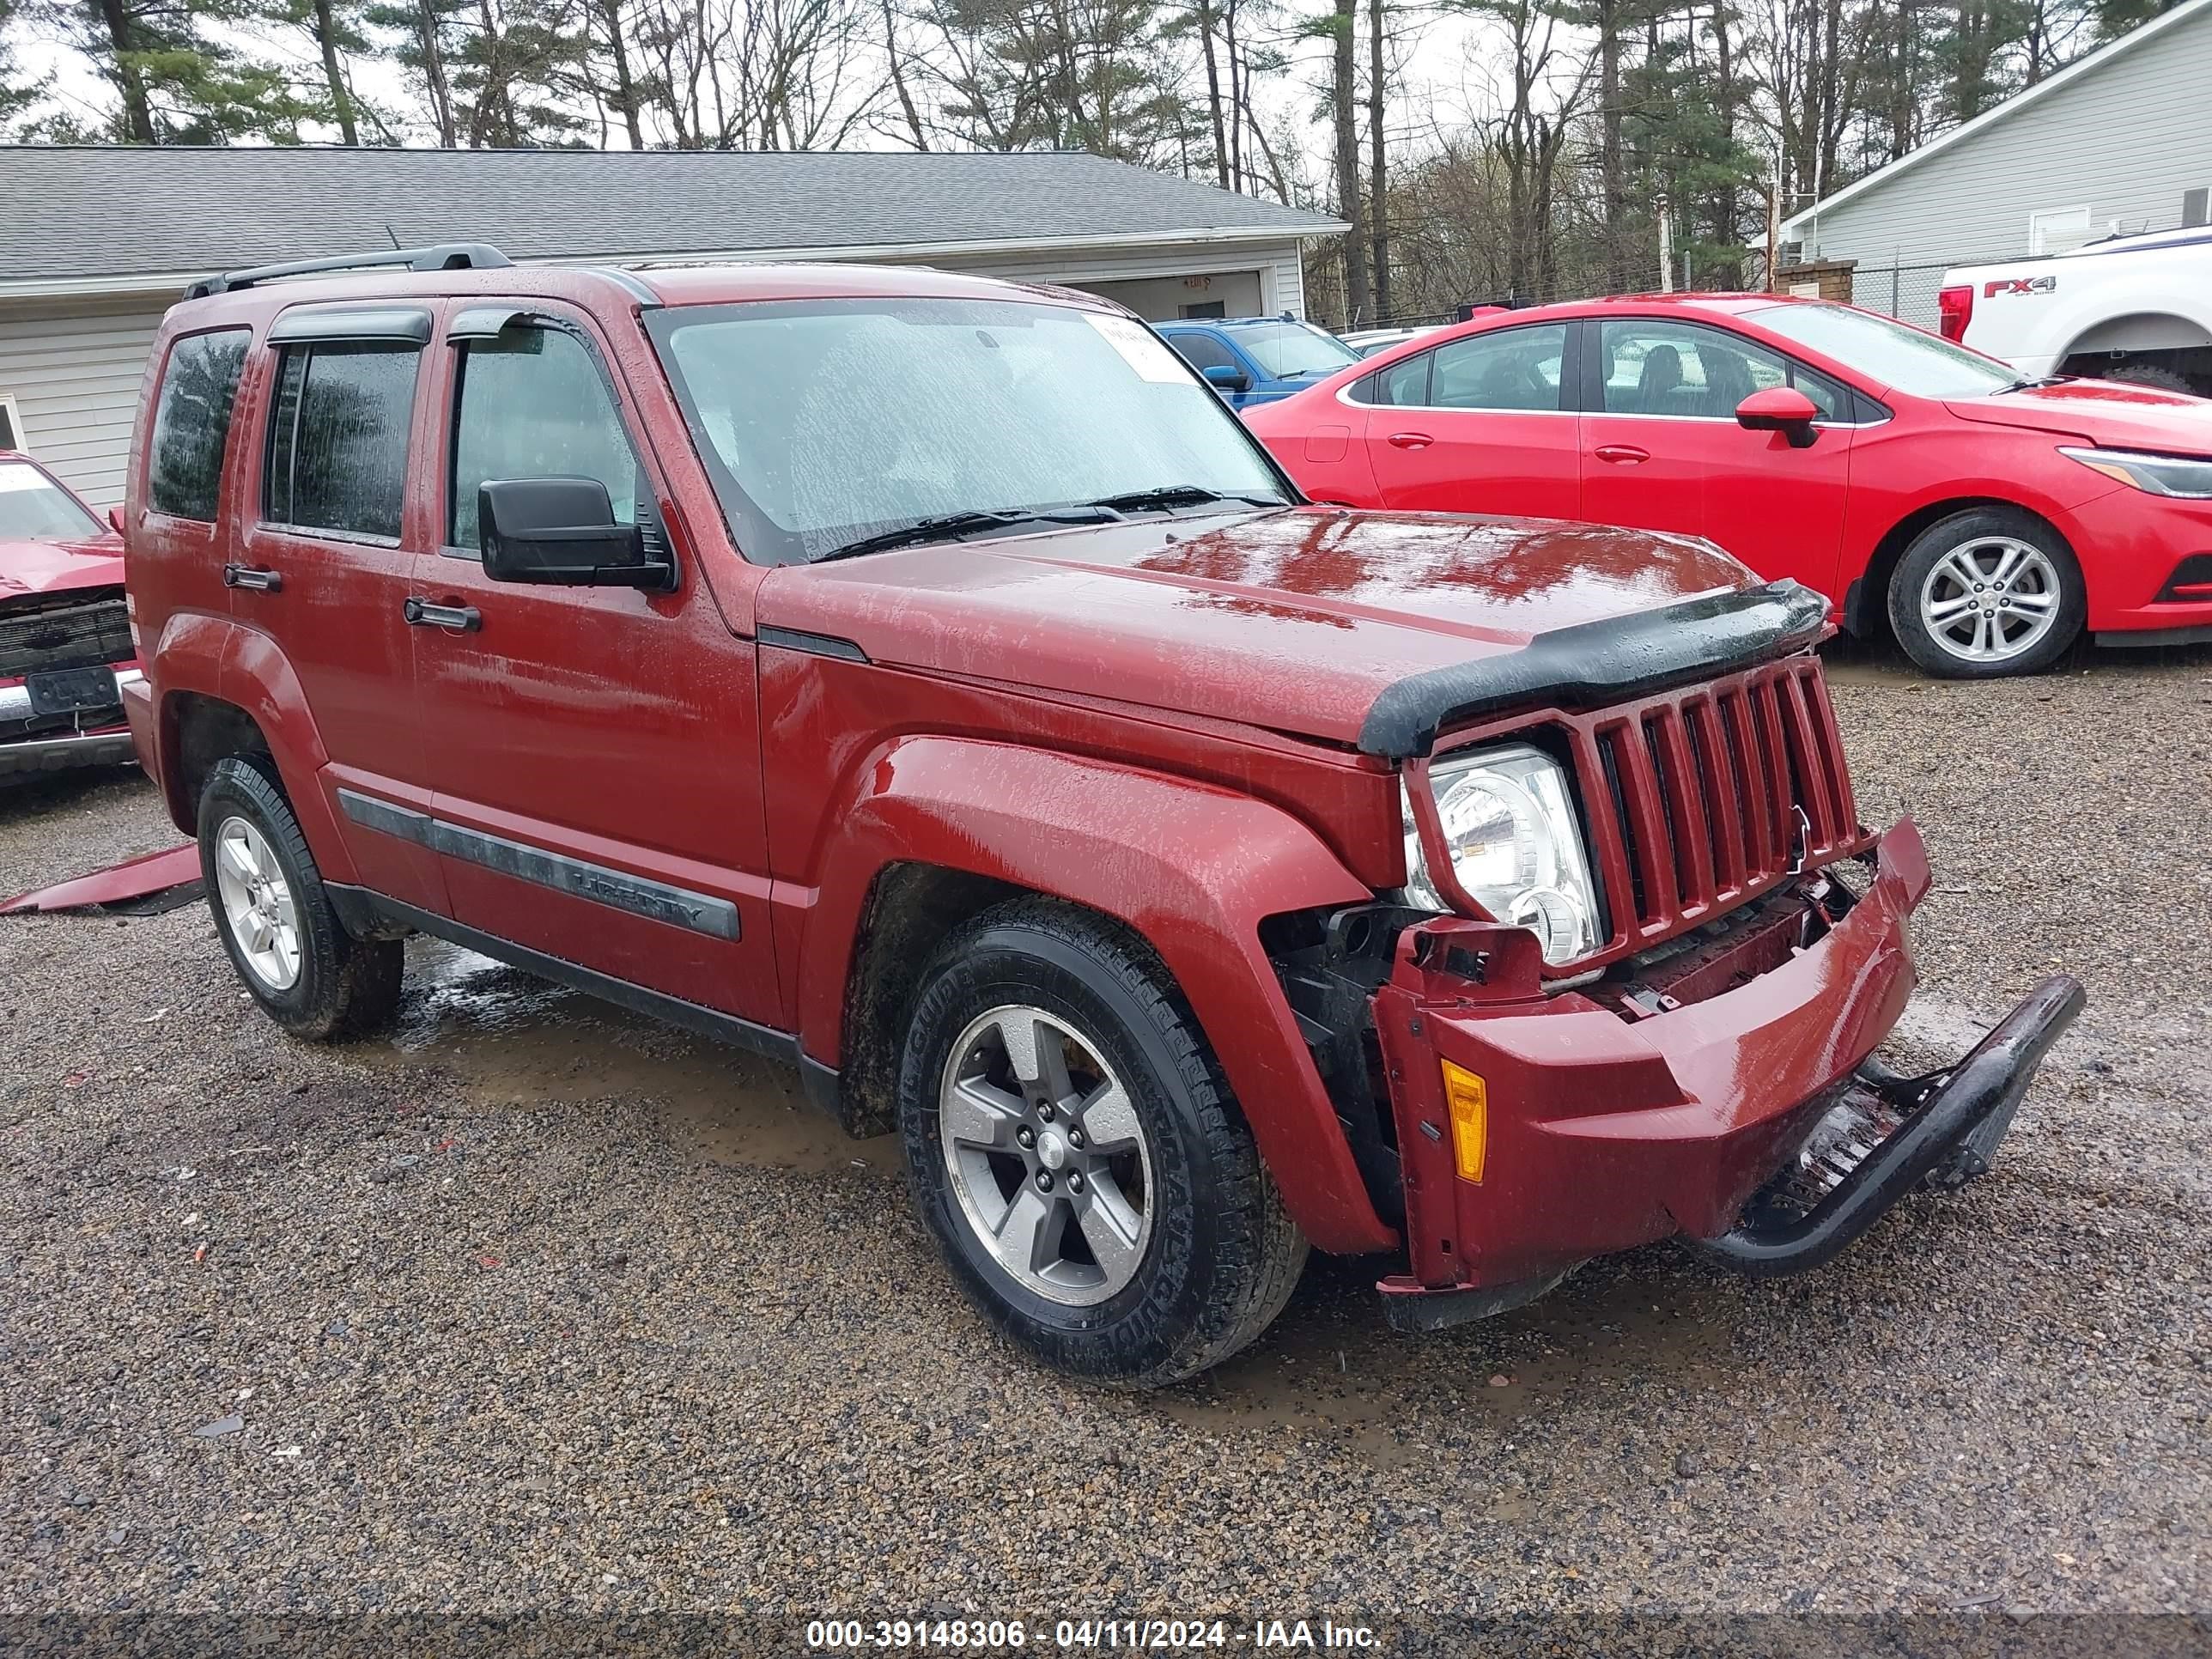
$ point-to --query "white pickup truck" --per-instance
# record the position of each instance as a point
(2134, 308)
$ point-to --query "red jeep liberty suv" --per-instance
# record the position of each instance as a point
(928, 680)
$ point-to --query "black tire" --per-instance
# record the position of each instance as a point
(2165, 379)
(1936, 542)
(345, 987)
(1223, 1255)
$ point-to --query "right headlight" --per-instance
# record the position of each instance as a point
(2186, 476)
(1508, 822)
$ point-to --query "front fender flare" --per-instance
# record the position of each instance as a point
(1190, 867)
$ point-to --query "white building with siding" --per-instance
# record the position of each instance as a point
(2120, 140)
(95, 244)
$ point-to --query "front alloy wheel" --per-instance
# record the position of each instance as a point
(1990, 600)
(1074, 1147)
(1046, 1155)
(1988, 591)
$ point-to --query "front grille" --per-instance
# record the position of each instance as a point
(1701, 800)
(66, 632)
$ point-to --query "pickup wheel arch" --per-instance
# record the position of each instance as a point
(2140, 331)
(935, 829)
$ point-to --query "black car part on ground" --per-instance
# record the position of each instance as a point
(1951, 1122)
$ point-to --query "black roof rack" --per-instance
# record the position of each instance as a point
(445, 256)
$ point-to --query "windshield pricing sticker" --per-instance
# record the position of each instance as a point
(1139, 347)
(20, 477)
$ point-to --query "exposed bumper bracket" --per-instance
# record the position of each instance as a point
(1949, 1125)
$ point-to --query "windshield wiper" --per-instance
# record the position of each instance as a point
(2030, 386)
(945, 526)
(1137, 500)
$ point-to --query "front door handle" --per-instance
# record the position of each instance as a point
(421, 613)
(1409, 440)
(261, 581)
(1622, 455)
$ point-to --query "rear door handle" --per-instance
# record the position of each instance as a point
(261, 581)
(1409, 440)
(1625, 454)
(421, 613)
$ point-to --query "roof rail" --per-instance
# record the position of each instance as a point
(445, 256)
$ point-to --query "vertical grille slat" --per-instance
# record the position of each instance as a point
(1693, 798)
(1683, 786)
(1655, 832)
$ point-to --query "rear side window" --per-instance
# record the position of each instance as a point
(1511, 368)
(191, 422)
(338, 438)
(533, 405)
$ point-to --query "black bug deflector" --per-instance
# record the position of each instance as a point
(1590, 664)
(1942, 1129)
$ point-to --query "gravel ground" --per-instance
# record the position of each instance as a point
(535, 1306)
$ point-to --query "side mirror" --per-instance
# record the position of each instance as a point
(115, 520)
(1781, 409)
(562, 530)
(1226, 377)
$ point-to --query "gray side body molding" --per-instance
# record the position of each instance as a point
(679, 907)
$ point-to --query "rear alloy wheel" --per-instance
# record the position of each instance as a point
(1072, 1143)
(1984, 594)
(275, 918)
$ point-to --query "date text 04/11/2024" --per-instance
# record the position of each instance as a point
(1168, 1634)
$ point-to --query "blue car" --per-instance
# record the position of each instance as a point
(1256, 360)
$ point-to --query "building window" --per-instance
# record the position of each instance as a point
(2057, 229)
(1208, 308)
(11, 424)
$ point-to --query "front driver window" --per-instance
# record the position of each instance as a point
(531, 404)
(1680, 369)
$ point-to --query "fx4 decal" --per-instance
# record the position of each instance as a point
(2019, 285)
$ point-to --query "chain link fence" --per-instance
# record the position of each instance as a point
(1906, 292)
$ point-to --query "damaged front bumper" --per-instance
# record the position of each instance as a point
(1754, 1121)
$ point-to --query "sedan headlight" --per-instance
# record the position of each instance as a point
(2162, 475)
(1508, 820)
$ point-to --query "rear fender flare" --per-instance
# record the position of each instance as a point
(245, 668)
(1191, 868)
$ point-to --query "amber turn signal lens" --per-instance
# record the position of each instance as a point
(1468, 1100)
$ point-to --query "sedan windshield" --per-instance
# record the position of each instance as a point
(832, 423)
(1897, 354)
(1284, 349)
(34, 508)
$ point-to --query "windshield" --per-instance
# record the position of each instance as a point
(34, 509)
(826, 423)
(1283, 349)
(1895, 354)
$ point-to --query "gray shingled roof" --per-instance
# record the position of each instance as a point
(115, 212)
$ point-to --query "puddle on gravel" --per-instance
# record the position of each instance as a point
(510, 1038)
(1333, 1366)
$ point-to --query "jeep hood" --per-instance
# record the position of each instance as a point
(1295, 619)
(42, 567)
(2107, 413)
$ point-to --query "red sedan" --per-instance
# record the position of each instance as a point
(65, 645)
(1985, 521)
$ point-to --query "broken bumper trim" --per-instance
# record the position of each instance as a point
(1961, 1115)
